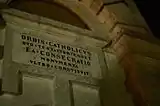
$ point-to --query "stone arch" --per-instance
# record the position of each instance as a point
(99, 19)
(42, 8)
(81, 15)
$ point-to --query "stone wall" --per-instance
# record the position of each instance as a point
(119, 23)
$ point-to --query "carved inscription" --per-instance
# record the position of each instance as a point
(49, 54)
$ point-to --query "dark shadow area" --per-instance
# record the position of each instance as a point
(1, 92)
(2, 23)
(1, 51)
(150, 11)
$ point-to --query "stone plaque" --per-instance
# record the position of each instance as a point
(35, 50)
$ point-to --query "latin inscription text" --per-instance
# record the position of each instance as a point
(50, 54)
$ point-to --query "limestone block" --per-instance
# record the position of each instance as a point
(2, 36)
(107, 17)
(121, 48)
(116, 33)
(122, 13)
(2, 39)
(148, 71)
(136, 31)
(88, 3)
(142, 47)
(112, 1)
(96, 6)
(116, 90)
(20, 35)
(36, 92)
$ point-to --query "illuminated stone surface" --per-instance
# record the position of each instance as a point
(113, 63)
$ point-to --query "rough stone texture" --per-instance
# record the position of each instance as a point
(115, 83)
(96, 6)
(144, 58)
(65, 15)
(88, 3)
(2, 39)
(149, 77)
(121, 25)
(99, 31)
(41, 87)
(14, 79)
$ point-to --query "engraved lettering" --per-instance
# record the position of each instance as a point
(68, 58)
(42, 53)
(49, 54)
(43, 59)
(23, 37)
(27, 49)
(63, 57)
